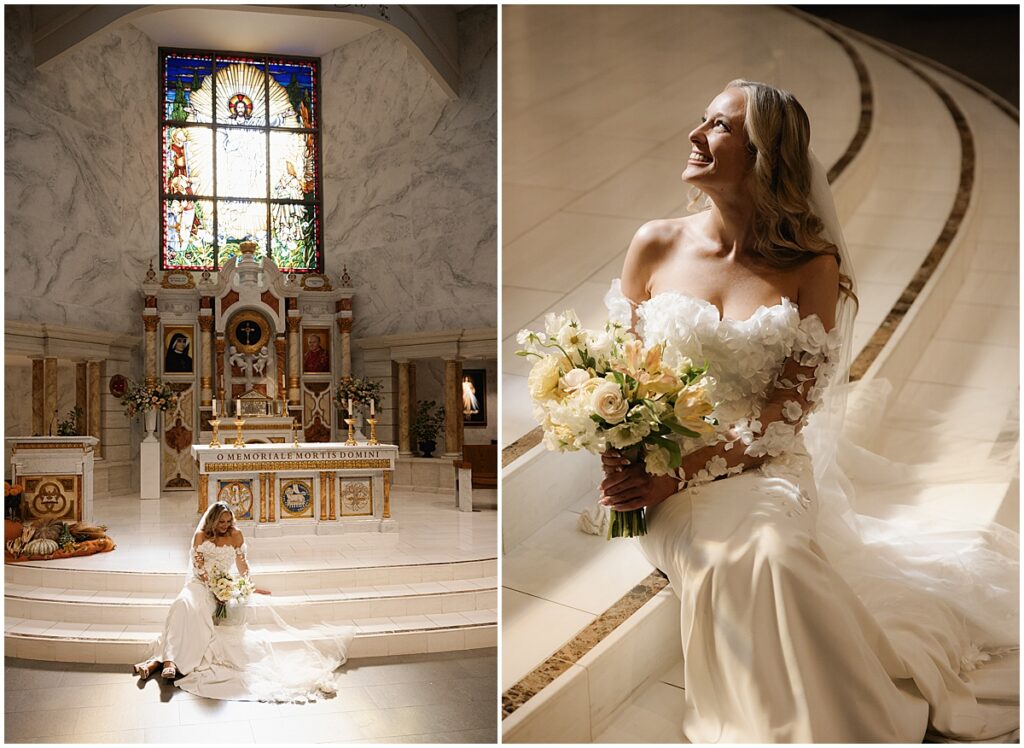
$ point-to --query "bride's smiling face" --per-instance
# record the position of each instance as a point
(223, 523)
(719, 156)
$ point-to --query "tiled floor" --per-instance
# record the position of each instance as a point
(437, 698)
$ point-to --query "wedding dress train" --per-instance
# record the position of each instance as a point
(253, 655)
(795, 627)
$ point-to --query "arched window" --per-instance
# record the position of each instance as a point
(240, 159)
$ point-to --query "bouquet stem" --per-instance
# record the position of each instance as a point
(633, 523)
(220, 613)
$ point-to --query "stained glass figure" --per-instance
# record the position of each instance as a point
(241, 151)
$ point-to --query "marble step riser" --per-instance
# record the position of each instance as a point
(368, 645)
(129, 613)
(31, 576)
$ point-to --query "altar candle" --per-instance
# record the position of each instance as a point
(372, 411)
(238, 408)
(214, 407)
(350, 407)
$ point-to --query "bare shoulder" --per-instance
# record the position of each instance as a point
(198, 538)
(651, 244)
(236, 538)
(819, 288)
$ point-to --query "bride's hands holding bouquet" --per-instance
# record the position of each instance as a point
(628, 486)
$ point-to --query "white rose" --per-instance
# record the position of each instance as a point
(543, 379)
(609, 403)
(600, 344)
(575, 379)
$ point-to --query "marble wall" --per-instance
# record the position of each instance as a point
(80, 198)
(410, 182)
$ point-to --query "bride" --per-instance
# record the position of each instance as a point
(239, 659)
(801, 620)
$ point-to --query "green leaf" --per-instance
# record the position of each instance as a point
(682, 430)
(675, 454)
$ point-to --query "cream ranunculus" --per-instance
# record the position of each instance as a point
(609, 403)
(543, 379)
(574, 379)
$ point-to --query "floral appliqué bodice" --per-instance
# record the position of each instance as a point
(745, 360)
(209, 556)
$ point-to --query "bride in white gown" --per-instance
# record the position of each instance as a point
(801, 620)
(254, 654)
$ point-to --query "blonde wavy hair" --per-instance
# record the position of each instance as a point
(787, 233)
(212, 516)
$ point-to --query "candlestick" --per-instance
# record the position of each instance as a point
(215, 407)
(239, 422)
(351, 433)
(373, 430)
(238, 408)
(350, 407)
(295, 433)
(214, 424)
(372, 411)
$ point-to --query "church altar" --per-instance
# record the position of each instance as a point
(315, 488)
(56, 473)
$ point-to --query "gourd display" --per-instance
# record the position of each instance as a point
(41, 547)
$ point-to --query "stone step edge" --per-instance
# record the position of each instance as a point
(283, 598)
(49, 566)
(370, 644)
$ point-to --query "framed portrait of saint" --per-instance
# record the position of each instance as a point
(474, 397)
(316, 350)
(178, 350)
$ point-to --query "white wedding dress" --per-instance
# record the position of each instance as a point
(792, 630)
(253, 655)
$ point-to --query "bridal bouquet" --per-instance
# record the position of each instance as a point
(594, 390)
(229, 590)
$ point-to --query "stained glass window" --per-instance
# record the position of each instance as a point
(240, 159)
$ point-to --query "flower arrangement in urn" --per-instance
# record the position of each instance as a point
(142, 398)
(358, 391)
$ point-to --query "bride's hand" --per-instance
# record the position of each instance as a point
(627, 486)
(261, 591)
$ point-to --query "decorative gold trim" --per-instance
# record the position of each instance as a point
(166, 282)
(204, 490)
(59, 445)
(323, 497)
(257, 467)
(387, 495)
(263, 497)
(272, 479)
(331, 496)
(249, 426)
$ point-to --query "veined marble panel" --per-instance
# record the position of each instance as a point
(80, 178)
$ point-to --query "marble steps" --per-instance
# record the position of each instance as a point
(47, 575)
(375, 637)
(419, 598)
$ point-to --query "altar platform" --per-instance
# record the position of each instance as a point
(431, 586)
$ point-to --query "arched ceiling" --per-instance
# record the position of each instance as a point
(429, 31)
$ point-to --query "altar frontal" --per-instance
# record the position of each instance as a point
(319, 488)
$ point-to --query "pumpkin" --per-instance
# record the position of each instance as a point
(12, 529)
(49, 529)
(41, 547)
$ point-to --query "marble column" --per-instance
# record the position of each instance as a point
(82, 395)
(151, 322)
(294, 351)
(281, 350)
(403, 409)
(452, 408)
(38, 417)
(50, 396)
(205, 354)
(345, 349)
(94, 375)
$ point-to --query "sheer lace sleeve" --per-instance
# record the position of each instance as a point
(775, 423)
(240, 559)
(199, 564)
